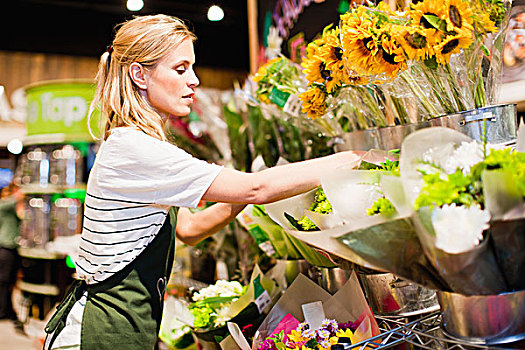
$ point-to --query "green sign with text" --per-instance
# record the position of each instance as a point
(61, 107)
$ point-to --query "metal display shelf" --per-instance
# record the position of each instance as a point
(423, 333)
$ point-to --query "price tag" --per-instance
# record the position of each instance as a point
(314, 314)
(267, 248)
(278, 97)
(293, 105)
(263, 301)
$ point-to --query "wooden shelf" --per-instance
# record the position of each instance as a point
(37, 189)
(44, 289)
(513, 92)
(39, 253)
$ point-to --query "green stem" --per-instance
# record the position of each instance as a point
(420, 95)
(480, 98)
(454, 87)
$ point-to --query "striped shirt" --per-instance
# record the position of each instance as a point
(133, 183)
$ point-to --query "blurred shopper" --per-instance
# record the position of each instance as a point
(10, 208)
(126, 248)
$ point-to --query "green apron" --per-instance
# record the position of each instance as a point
(125, 310)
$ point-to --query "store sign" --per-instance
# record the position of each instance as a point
(297, 23)
(59, 107)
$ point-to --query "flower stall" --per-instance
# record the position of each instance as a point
(421, 241)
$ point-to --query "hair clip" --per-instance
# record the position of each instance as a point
(109, 50)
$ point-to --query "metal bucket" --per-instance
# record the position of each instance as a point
(386, 138)
(333, 278)
(388, 295)
(483, 319)
(500, 122)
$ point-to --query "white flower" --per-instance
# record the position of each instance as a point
(464, 157)
(223, 315)
(459, 229)
(274, 43)
(220, 289)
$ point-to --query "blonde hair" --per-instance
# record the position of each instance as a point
(145, 40)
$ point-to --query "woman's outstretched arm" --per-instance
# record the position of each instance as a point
(235, 189)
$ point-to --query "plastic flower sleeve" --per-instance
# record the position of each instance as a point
(351, 192)
(505, 203)
(394, 246)
(175, 328)
(293, 206)
(474, 272)
(432, 145)
(508, 238)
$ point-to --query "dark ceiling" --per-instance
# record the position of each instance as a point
(86, 27)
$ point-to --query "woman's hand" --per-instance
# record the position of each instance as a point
(194, 227)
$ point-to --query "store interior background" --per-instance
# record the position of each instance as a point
(63, 39)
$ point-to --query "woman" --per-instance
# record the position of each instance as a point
(126, 247)
(11, 210)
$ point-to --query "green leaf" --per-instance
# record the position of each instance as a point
(436, 22)
(293, 221)
(485, 50)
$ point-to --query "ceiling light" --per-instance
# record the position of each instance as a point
(135, 5)
(15, 146)
(215, 13)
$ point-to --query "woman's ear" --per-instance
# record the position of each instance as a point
(137, 74)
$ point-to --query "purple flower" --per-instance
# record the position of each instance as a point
(267, 344)
(347, 325)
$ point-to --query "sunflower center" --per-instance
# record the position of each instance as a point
(416, 40)
(425, 23)
(455, 16)
(366, 41)
(325, 73)
(451, 45)
(389, 57)
(338, 52)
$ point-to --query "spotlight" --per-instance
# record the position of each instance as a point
(135, 5)
(15, 146)
(215, 13)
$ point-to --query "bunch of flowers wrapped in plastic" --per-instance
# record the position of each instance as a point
(384, 62)
(305, 337)
(210, 305)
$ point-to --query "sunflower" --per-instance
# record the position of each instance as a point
(483, 24)
(331, 52)
(452, 44)
(416, 41)
(458, 15)
(358, 42)
(312, 49)
(424, 8)
(295, 336)
(314, 102)
(392, 58)
(315, 69)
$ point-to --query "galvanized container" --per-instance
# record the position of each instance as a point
(389, 295)
(499, 121)
(484, 319)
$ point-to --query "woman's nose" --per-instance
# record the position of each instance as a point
(193, 80)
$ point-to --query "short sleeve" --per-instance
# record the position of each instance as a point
(137, 166)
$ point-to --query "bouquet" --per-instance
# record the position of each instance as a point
(381, 67)
(461, 190)
(461, 205)
(213, 306)
(308, 317)
(275, 241)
